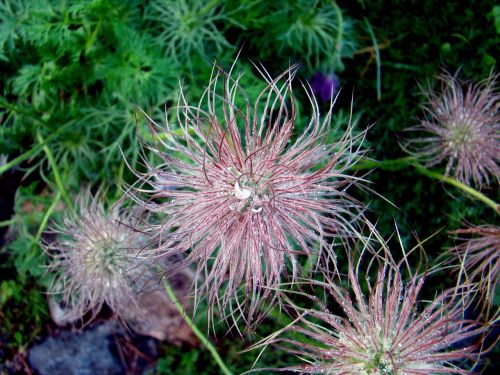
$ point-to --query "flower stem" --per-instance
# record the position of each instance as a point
(197, 332)
(451, 181)
(397, 164)
(6, 223)
(55, 170)
(391, 164)
(46, 217)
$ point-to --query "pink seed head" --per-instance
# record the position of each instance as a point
(478, 256)
(388, 331)
(244, 192)
(463, 129)
(96, 258)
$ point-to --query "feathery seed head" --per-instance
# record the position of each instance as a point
(463, 123)
(479, 256)
(390, 331)
(97, 258)
(245, 192)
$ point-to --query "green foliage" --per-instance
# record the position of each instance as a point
(31, 213)
(495, 14)
(188, 27)
(184, 362)
(85, 66)
(24, 310)
(316, 33)
(456, 39)
(74, 74)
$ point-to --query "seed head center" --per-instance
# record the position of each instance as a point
(249, 192)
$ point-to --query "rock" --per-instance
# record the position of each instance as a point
(89, 352)
(159, 317)
(161, 320)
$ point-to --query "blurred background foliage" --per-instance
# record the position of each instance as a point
(74, 74)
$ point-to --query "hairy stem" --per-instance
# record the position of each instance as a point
(398, 164)
(225, 370)
(55, 170)
(451, 181)
(377, 59)
(46, 217)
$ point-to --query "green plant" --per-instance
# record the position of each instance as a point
(78, 70)
(188, 27)
(317, 33)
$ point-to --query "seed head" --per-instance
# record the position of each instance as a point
(390, 331)
(479, 256)
(463, 126)
(97, 259)
(245, 192)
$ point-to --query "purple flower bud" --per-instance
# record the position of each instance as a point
(324, 86)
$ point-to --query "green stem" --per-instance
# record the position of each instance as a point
(377, 59)
(46, 217)
(6, 223)
(398, 164)
(391, 165)
(55, 170)
(451, 181)
(197, 332)
(208, 7)
(25, 156)
(93, 36)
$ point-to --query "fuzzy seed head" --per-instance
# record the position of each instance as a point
(463, 127)
(97, 259)
(390, 331)
(244, 193)
(478, 255)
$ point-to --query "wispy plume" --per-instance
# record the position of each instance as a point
(97, 259)
(245, 191)
(478, 258)
(463, 129)
(381, 327)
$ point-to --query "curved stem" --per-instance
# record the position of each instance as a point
(391, 164)
(46, 217)
(397, 164)
(25, 156)
(197, 332)
(451, 181)
(55, 170)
